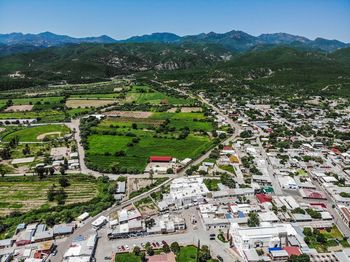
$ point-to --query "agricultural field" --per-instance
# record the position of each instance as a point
(146, 95)
(25, 193)
(84, 103)
(126, 142)
(102, 149)
(36, 133)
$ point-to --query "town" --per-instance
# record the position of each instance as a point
(175, 131)
(179, 176)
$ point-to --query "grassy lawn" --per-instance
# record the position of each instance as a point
(332, 238)
(228, 168)
(138, 155)
(127, 257)
(212, 184)
(30, 134)
(25, 193)
(187, 254)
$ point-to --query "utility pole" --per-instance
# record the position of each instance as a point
(198, 247)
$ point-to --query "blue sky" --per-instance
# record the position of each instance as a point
(124, 18)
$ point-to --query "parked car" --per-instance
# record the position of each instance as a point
(220, 258)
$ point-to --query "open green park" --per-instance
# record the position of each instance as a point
(35, 133)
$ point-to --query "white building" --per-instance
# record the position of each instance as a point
(266, 235)
(188, 191)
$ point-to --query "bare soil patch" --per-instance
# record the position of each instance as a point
(84, 103)
(19, 108)
(172, 110)
(132, 114)
(135, 184)
(42, 136)
(191, 109)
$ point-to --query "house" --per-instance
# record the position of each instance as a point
(287, 182)
(6, 243)
(63, 229)
(81, 249)
(121, 187)
(83, 216)
(99, 222)
(24, 238)
(268, 235)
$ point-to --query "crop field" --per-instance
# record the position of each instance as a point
(139, 135)
(25, 193)
(83, 103)
(36, 133)
(194, 121)
(110, 96)
(42, 116)
(102, 149)
(125, 122)
(146, 95)
(39, 103)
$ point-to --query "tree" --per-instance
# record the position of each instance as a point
(62, 170)
(26, 150)
(175, 247)
(166, 248)
(63, 181)
(253, 220)
(150, 223)
(134, 126)
(40, 170)
(204, 254)
(61, 196)
(150, 251)
(301, 258)
(51, 193)
(137, 251)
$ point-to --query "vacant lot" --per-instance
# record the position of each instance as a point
(83, 103)
(25, 193)
(36, 133)
(20, 108)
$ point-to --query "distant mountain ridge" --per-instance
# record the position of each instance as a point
(47, 39)
(234, 40)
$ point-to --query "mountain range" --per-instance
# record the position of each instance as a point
(237, 41)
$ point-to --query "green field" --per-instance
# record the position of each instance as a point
(95, 96)
(138, 155)
(42, 116)
(127, 257)
(39, 103)
(25, 193)
(194, 121)
(159, 134)
(146, 95)
(30, 134)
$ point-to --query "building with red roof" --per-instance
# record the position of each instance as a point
(262, 198)
(293, 251)
(160, 158)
